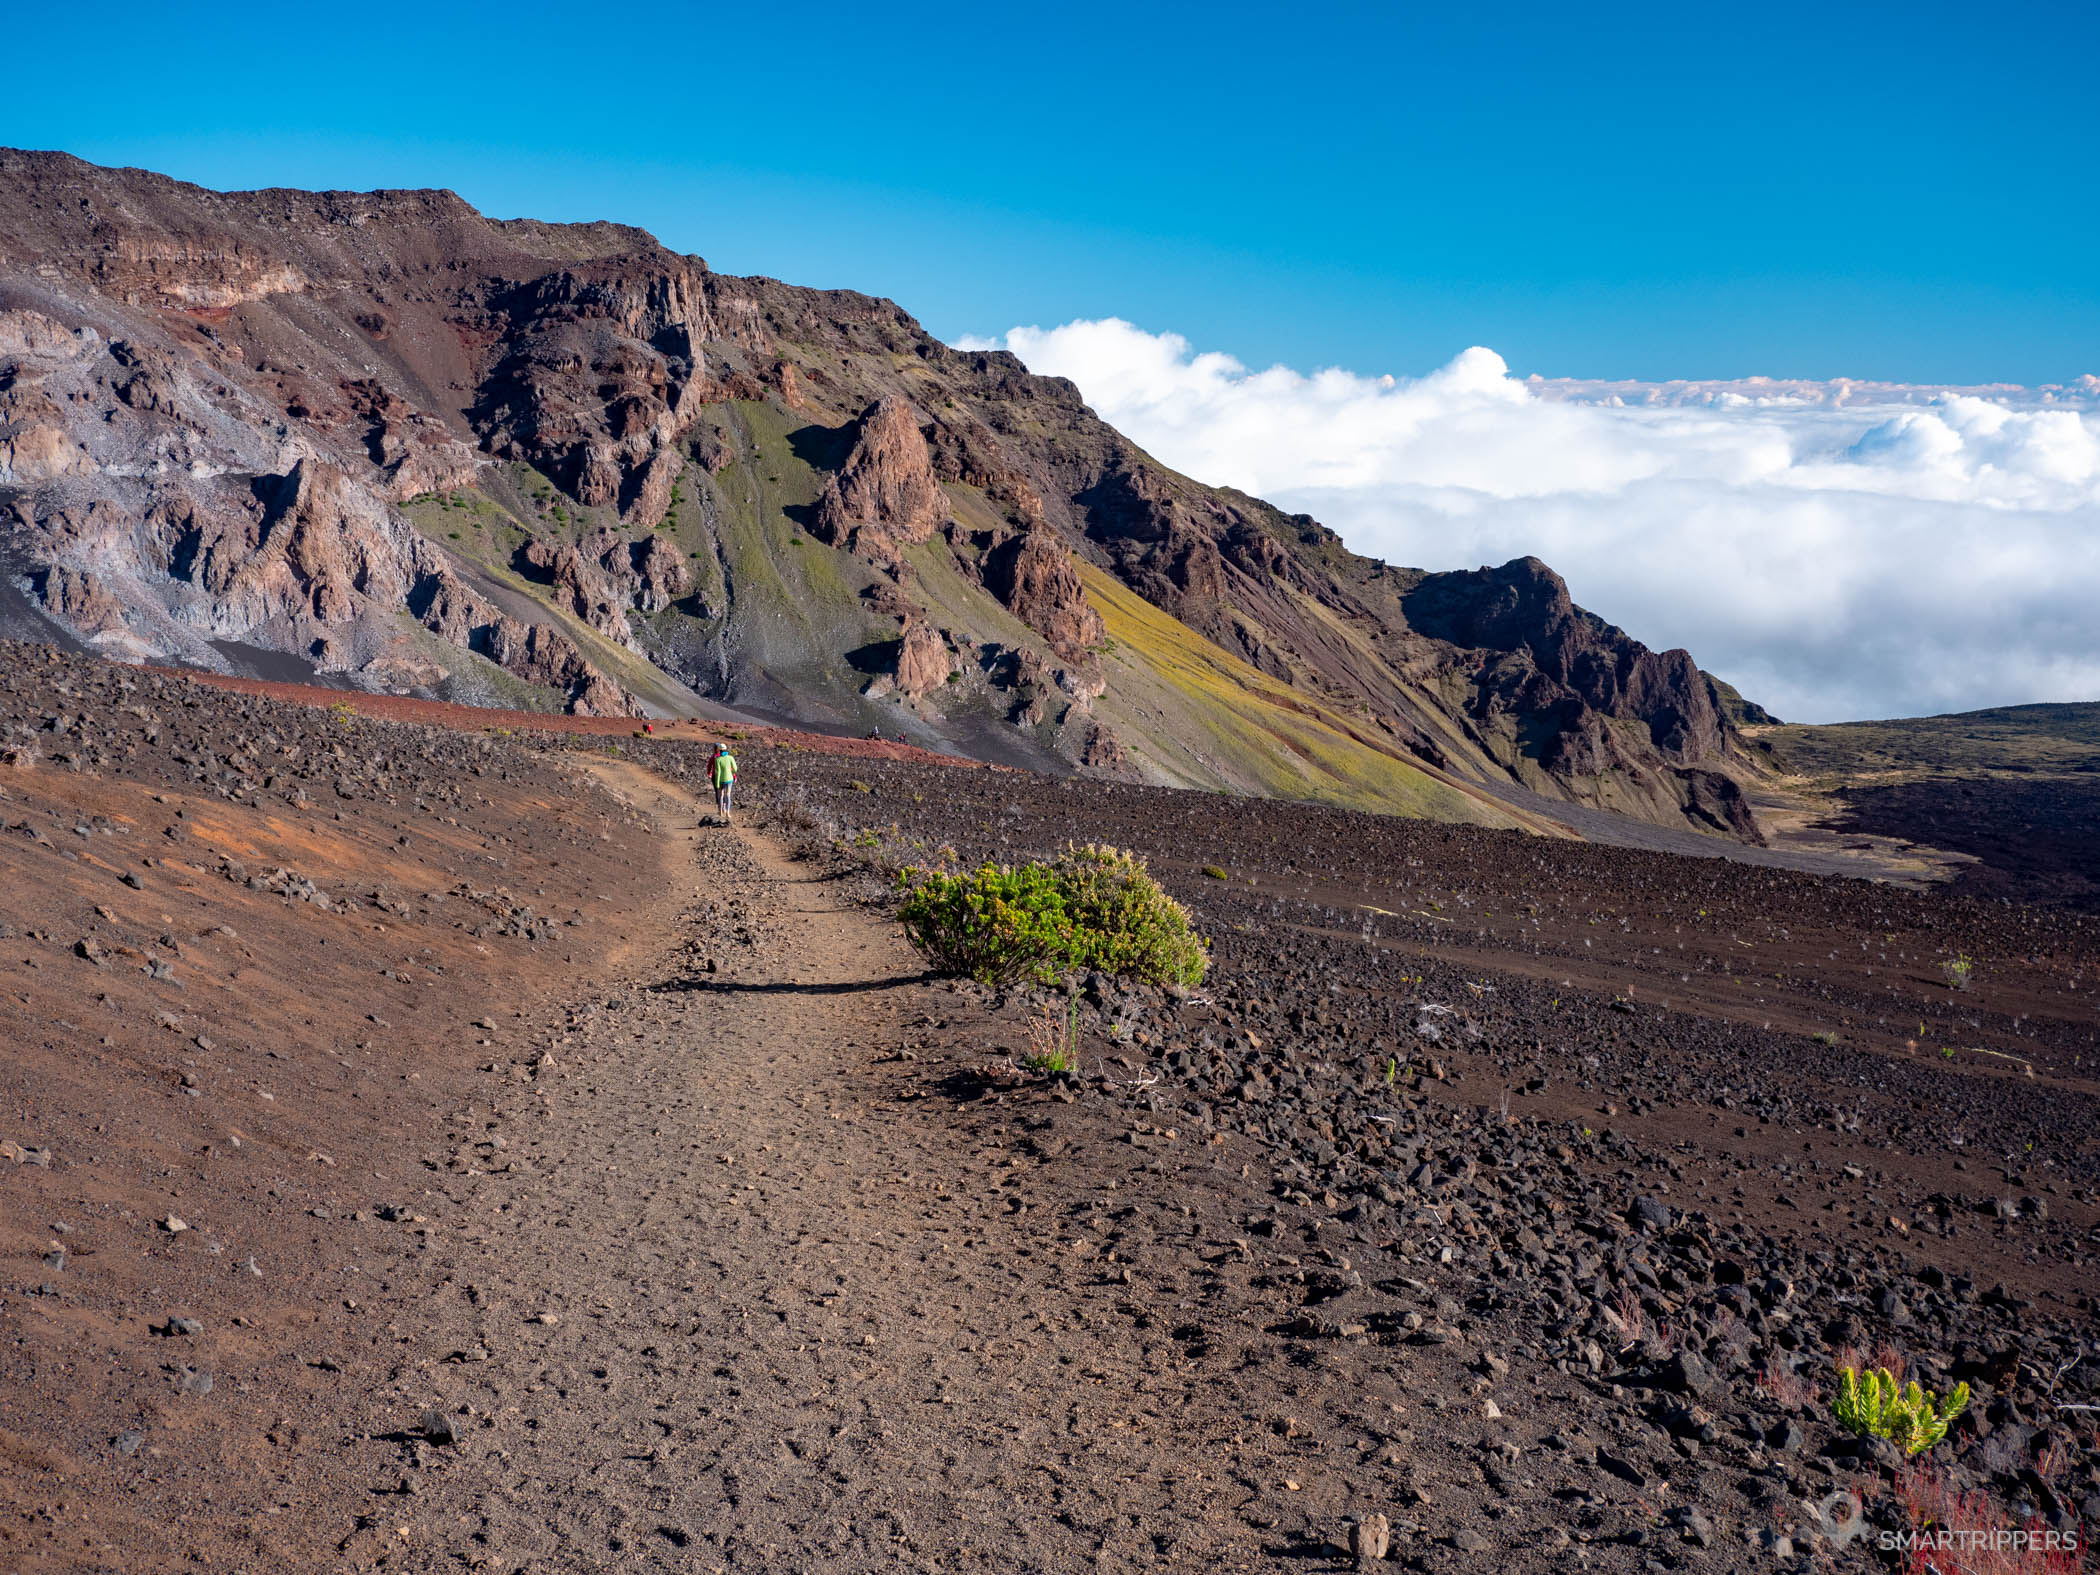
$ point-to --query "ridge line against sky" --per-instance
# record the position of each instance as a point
(1875, 190)
(1901, 193)
(1836, 553)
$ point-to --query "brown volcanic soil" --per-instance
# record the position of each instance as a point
(488, 719)
(733, 1243)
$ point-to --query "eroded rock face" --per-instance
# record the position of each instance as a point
(39, 453)
(414, 452)
(580, 587)
(1035, 577)
(315, 546)
(596, 371)
(660, 574)
(537, 653)
(885, 496)
(210, 403)
(1103, 755)
(605, 576)
(161, 505)
(1550, 658)
(79, 600)
(1718, 802)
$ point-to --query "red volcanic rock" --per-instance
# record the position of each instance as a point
(885, 495)
(1036, 578)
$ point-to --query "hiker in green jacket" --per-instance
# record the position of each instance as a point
(725, 781)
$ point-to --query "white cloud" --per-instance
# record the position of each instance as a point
(1834, 549)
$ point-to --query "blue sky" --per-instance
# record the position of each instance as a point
(1900, 192)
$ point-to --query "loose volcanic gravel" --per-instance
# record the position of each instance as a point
(541, 1176)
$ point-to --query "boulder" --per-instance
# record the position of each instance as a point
(923, 662)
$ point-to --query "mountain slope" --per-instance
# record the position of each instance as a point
(423, 449)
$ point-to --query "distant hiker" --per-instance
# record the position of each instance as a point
(725, 781)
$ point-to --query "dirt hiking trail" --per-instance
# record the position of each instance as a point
(743, 1307)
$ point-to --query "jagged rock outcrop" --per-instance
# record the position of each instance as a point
(313, 546)
(659, 573)
(79, 600)
(1103, 754)
(580, 586)
(170, 511)
(599, 375)
(1036, 692)
(885, 497)
(413, 451)
(600, 579)
(537, 653)
(1034, 575)
(1550, 660)
(35, 452)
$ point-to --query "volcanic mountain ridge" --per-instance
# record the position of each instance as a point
(383, 439)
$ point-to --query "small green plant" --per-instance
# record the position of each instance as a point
(1053, 1043)
(1826, 1037)
(1873, 1404)
(1214, 872)
(1957, 970)
(1946, 1052)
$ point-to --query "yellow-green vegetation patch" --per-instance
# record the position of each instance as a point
(1091, 908)
(772, 561)
(1242, 730)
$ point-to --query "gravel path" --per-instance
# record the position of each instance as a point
(744, 1308)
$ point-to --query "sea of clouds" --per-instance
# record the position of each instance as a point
(1835, 550)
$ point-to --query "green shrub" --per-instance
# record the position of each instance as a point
(1095, 908)
(1872, 1403)
(1123, 923)
(996, 924)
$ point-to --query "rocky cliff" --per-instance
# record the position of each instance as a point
(418, 448)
